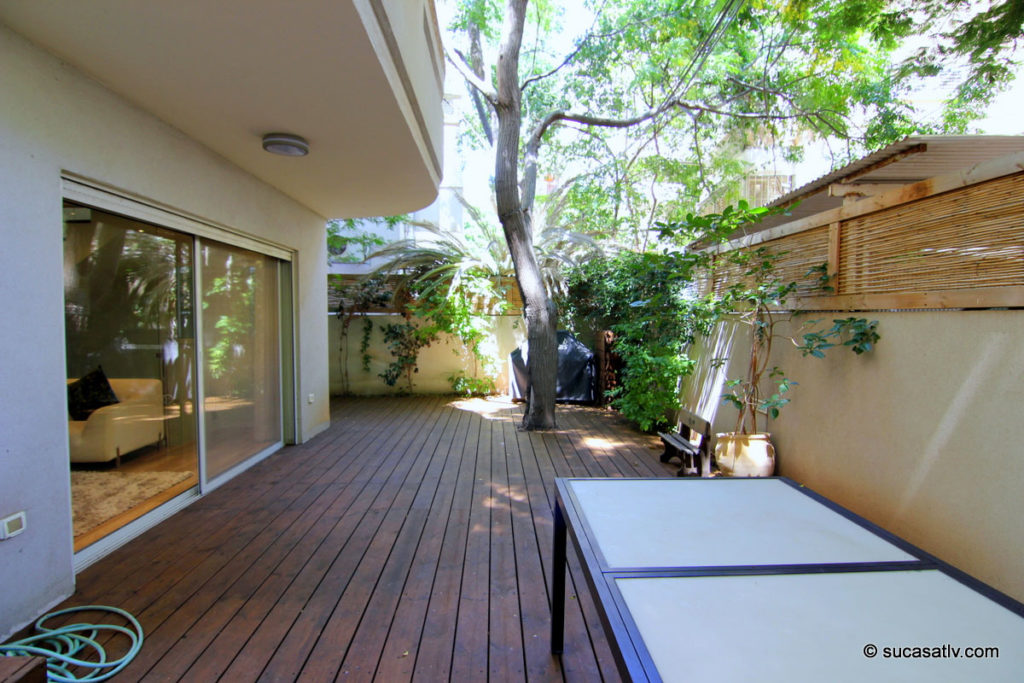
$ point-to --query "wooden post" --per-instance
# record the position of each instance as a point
(834, 248)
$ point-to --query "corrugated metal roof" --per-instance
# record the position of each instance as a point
(911, 160)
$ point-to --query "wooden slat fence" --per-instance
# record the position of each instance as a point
(933, 245)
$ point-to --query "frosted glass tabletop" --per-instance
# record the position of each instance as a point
(819, 627)
(732, 522)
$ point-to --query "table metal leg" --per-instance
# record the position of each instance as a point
(558, 583)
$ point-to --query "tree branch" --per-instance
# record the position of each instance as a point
(476, 63)
(466, 72)
(552, 72)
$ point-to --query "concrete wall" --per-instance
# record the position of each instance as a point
(436, 362)
(921, 436)
(54, 119)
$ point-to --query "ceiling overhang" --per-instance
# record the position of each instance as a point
(332, 71)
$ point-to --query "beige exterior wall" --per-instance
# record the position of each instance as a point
(55, 120)
(921, 436)
(437, 362)
(404, 34)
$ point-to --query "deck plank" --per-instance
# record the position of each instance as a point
(259, 584)
(410, 541)
(397, 659)
(469, 657)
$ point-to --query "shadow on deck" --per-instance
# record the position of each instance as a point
(412, 540)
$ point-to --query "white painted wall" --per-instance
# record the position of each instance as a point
(436, 362)
(921, 436)
(54, 119)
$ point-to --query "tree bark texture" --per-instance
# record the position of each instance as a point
(538, 309)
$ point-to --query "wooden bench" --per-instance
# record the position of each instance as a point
(693, 444)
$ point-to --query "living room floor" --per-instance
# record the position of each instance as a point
(105, 497)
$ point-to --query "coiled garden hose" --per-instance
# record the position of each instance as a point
(62, 646)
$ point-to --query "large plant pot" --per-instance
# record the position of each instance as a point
(745, 455)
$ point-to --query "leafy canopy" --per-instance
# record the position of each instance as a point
(715, 80)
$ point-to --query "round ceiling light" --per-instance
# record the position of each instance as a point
(285, 144)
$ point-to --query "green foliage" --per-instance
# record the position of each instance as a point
(857, 333)
(459, 311)
(358, 297)
(484, 14)
(773, 75)
(346, 243)
(979, 40)
(644, 299)
(649, 301)
(455, 281)
(648, 393)
(758, 297)
(404, 341)
(471, 386)
(364, 345)
(230, 297)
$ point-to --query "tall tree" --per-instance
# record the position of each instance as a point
(980, 41)
(666, 93)
(513, 212)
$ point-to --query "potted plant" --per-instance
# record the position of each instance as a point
(762, 391)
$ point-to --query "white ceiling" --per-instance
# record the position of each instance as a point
(226, 73)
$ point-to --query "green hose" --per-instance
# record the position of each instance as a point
(61, 646)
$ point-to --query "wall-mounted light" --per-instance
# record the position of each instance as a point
(285, 144)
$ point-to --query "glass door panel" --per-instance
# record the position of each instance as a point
(241, 355)
(130, 349)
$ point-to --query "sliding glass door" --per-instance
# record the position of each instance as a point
(130, 350)
(241, 355)
(174, 363)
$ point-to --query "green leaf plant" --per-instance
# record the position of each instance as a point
(356, 299)
(758, 299)
(648, 300)
(404, 341)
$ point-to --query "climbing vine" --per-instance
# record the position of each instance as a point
(354, 299)
(404, 341)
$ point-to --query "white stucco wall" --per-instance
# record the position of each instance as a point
(921, 436)
(53, 119)
(436, 362)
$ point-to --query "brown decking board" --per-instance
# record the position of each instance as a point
(410, 541)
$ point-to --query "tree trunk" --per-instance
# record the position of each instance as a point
(539, 310)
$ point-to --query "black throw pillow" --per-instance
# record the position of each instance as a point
(90, 392)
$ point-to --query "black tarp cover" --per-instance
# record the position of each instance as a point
(575, 371)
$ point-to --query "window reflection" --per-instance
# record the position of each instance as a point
(240, 335)
(129, 342)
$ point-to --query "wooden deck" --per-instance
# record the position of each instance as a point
(410, 541)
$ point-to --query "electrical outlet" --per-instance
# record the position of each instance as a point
(12, 525)
(311, 398)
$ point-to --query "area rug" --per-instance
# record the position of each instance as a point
(99, 496)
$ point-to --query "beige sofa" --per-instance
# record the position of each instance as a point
(112, 431)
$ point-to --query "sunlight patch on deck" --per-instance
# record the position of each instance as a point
(491, 407)
(603, 443)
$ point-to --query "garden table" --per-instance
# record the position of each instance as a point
(762, 579)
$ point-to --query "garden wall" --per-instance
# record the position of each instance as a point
(436, 363)
(921, 436)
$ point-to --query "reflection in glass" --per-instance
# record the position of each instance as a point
(129, 350)
(241, 377)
